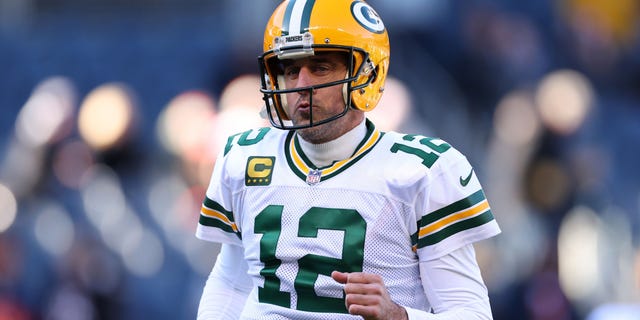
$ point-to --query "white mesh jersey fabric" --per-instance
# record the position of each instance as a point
(366, 217)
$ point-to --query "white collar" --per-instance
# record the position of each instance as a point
(343, 147)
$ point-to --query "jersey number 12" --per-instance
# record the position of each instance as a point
(268, 223)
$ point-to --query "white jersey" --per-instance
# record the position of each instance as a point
(398, 200)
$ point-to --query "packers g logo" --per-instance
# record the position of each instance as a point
(259, 171)
(367, 17)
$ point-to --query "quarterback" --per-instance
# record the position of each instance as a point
(324, 216)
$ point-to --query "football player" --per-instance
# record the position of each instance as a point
(332, 218)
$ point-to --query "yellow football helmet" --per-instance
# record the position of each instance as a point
(302, 28)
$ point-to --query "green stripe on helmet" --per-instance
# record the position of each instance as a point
(304, 17)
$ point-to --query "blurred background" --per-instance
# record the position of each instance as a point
(112, 112)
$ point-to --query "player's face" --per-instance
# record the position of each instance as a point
(327, 102)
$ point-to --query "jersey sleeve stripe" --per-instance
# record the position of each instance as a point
(455, 228)
(453, 218)
(457, 206)
(213, 214)
(468, 213)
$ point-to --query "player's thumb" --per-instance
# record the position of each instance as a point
(340, 277)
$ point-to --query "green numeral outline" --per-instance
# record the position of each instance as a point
(428, 157)
(311, 266)
(268, 224)
(244, 139)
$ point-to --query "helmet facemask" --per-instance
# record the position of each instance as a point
(360, 73)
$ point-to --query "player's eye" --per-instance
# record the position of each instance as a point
(321, 68)
(291, 72)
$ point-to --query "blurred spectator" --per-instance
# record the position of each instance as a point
(99, 224)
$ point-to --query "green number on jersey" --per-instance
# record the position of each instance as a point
(428, 157)
(244, 139)
(268, 223)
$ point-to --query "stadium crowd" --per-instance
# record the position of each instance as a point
(112, 113)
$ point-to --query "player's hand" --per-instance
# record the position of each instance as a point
(367, 296)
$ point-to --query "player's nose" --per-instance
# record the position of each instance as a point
(305, 79)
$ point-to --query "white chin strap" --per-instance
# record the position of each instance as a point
(345, 92)
(283, 98)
